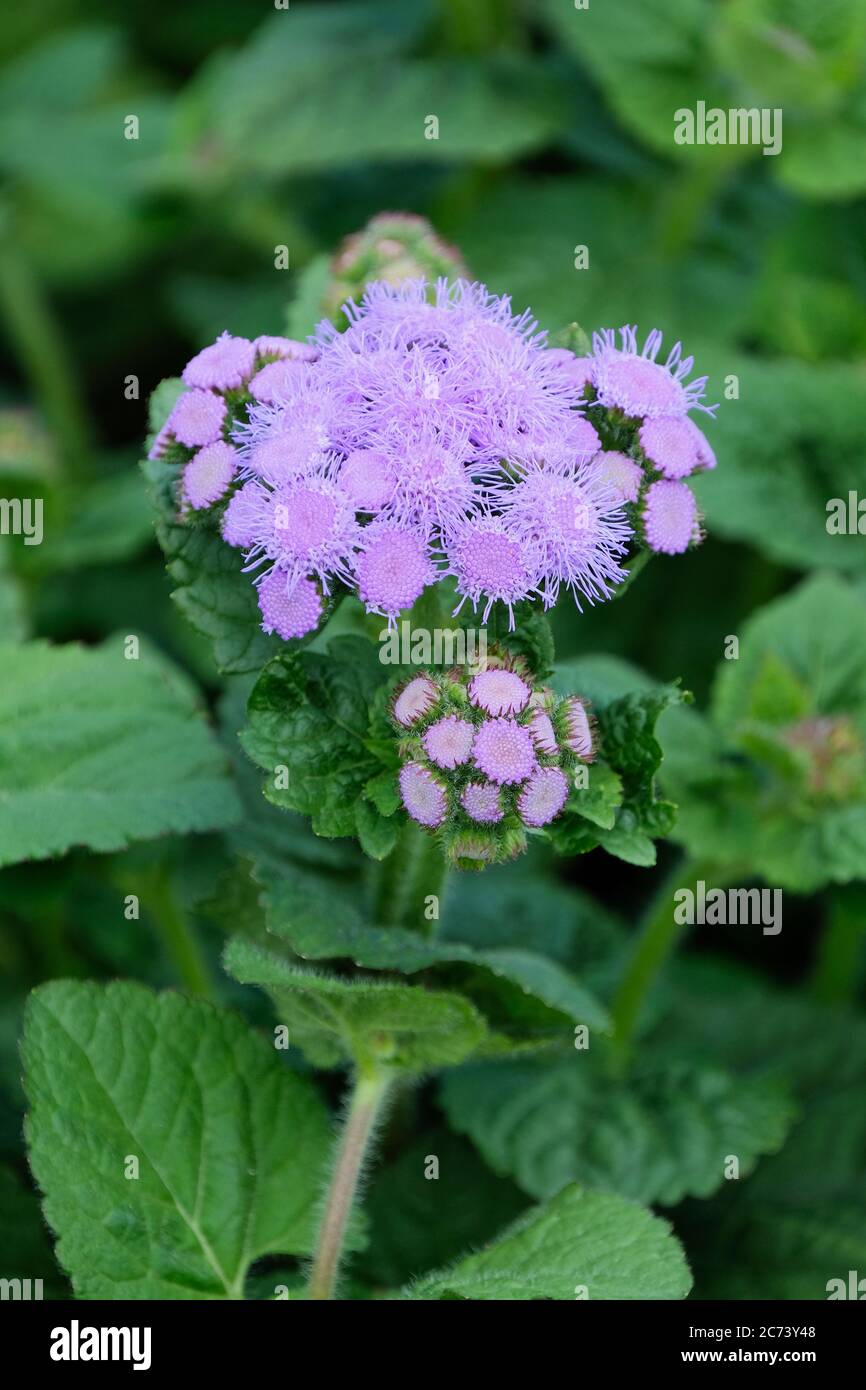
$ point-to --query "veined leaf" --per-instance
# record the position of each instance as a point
(579, 1245)
(99, 750)
(172, 1147)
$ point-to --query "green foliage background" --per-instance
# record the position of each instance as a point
(261, 127)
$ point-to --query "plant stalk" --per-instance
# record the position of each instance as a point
(38, 344)
(655, 944)
(178, 938)
(365, 1106)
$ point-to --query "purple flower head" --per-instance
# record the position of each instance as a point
(575, 520)
(305, 527)
(499, 691)
(242, 516)
(414, 701)
(289, 610)
(501, 772)
(504, 751)
(448, 742)
(285, 348)
(669, 443)
(283, 440)
(543, 797)
(543, 736)
(392, 568)
(490, 563)
(670, 517)
(578, 730)
(208, 474)
(432, 483)
(482, 802)
(197, 418)
(224, 366)
(449, 365)
(368, 476)
(577, 369)
(275, 381)
(632, 381)
(706, 456)
(622, 475)
(423, 795)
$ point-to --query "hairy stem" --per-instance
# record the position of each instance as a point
(655, 943)
(365, 1106)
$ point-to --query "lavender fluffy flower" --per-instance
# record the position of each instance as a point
(491, 563)
(290, 610)
(630, 379)
(208, 475)
(485, 754)
(197, 418)
(304, 528)
(670, 517)
(224, 366)
(438, 436)
(574, 519)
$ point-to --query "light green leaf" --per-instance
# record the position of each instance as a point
(99, 750)
(321, 923)
(580, 1244)
(657, 1136)
(787, 446)
(230, 1145)
(817, 633)
(331, 1018)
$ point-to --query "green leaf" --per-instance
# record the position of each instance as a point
(106, 521)
(212, 592)
(99, 750)
(230, 1145)
(619, 808)
(322, 922)
(817, 635)
(333, 1019)
(798, 1221)
(580, 1244)
(377, 834)
(311, 713)
(490, 109)
(794, 811)
(783, 456)
(664, 1133)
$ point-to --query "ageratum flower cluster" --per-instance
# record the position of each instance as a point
(486, 756)
(437, 436)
